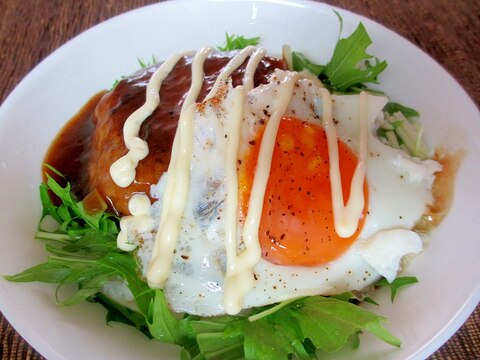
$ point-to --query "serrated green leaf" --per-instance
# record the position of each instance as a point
(53, 170)
(120, 313)
(396, 284)
(259, 342)
(340, 20)
(300, 62)
(89, 288)
(345, 296)
(145, 64)
(83, 273)
(370, 301)
(162, 324)
(71, 214)
(354, 340)
(126, 267)
(393, 107)
(47, 205)
(46, 272)
(347, 66)
(339, 320)
(350, 66)
(290, 330)
(207, 326)
(238, 42)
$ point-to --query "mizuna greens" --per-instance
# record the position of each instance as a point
(82, 251)
(237, 42)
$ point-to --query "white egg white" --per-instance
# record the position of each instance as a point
(397, 199)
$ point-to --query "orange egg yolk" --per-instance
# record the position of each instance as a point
(297, 226)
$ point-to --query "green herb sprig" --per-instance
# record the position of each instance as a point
(396, 284)
(350, 66)
(237, 42)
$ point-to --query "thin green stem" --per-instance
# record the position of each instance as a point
(271, 310)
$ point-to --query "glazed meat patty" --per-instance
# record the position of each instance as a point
(107, 144)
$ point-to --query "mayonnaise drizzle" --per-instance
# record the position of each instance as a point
(123, 170)
(139, 222)
(231, 201)
(227, 71)
(252, 65)
(176, 192)
(346, 218)
(239, 280)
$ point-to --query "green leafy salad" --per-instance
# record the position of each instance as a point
(83, 252)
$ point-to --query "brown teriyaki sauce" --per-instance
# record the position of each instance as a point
(93, 139)
(69, 151)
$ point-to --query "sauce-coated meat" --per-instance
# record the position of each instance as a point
(107, 145)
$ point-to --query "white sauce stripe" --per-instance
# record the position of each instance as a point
(197, 67)
(239, 279)
(176, 193)
(197, 77)
(123, 170)
(248, 77)
(227, 71)
(165, 240)
(139, 222)
(346, 218)
(234, 120)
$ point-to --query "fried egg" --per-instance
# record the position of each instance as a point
(301, 252)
